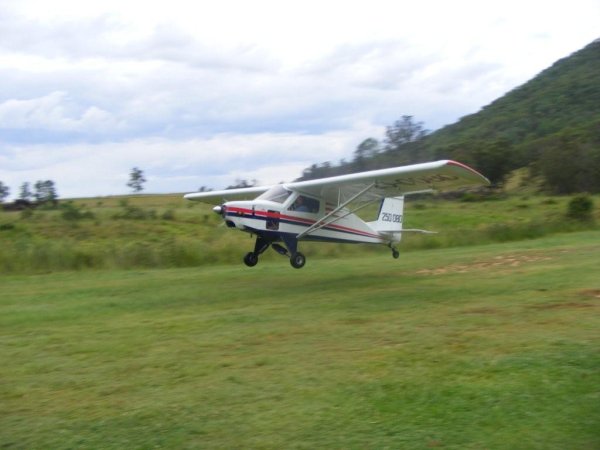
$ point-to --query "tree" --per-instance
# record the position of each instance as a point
(493, 158)
(45, 192)
(365, 150)
(4, 191)
(404, 131)
(25, 192)
(136, 180)
(405, 135)
(570, 160)
(239, 183)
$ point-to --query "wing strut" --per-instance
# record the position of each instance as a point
(322, 222)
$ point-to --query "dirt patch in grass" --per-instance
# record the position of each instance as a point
(501, 261)
(590, 293)
(482, 310)
(585, 299)
(565, 305)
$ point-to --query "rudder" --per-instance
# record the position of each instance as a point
(390, 215)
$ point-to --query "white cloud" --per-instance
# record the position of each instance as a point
(176, 166)
(250, 89)
(53, 112)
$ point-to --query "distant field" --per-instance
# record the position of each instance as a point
(492, 346)
(165, 231)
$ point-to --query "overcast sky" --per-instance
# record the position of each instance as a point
(201, 93)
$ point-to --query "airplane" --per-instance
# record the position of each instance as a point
(283, 215)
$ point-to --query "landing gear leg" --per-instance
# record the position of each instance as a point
(297, 259)
(251, 258)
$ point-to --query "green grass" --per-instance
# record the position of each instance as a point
(490, 347)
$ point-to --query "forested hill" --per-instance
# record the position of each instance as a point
(550, 124)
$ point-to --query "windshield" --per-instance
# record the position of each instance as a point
(276, 194)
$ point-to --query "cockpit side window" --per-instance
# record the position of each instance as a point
(305, 204)
(276, 194)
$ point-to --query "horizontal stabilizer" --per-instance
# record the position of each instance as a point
(407, 230)
(413, 230)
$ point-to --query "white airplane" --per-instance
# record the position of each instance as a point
(324, 209)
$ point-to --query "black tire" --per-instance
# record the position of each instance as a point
(297, 260)
(251, 259)
(395, 254)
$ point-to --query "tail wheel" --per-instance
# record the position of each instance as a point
(251, 259)
(297, 260)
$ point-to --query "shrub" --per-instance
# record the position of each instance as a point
(71, 212)
(27, 214)
(134, 212)
(581, 207)
(169, 214)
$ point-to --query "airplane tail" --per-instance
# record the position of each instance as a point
(389, 220)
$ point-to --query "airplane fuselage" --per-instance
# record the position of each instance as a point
(272, 219)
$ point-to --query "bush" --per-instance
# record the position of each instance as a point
(169, 214)
(131, 212)
(71, 212)
(581, 207)
(27, 214)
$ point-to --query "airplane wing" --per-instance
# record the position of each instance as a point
(393, 182)
(218, 197)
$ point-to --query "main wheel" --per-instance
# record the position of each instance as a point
(395, 254)
(251, 259)
(297, 260)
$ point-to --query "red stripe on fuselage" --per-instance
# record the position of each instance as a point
(302, 220)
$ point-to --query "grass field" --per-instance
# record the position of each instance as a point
(482, 347)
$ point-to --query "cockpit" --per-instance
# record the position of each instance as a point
(277, 194)
(303, 203)
(291, 200)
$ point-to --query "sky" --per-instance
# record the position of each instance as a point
(204, 93)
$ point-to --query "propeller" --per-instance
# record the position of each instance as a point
(221, 210)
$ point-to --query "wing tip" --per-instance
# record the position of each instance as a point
(450, 162)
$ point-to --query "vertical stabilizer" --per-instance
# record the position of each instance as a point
(390, 216)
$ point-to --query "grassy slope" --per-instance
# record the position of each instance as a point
(482, 347)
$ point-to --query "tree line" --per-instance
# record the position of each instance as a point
(44, 192)
(567, 161)
(402, 144)
(40, 192)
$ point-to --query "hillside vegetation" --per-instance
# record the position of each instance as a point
(550, 125)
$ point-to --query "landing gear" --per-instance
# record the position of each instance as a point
(297, 260)
(395, 252)
(251, 258)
